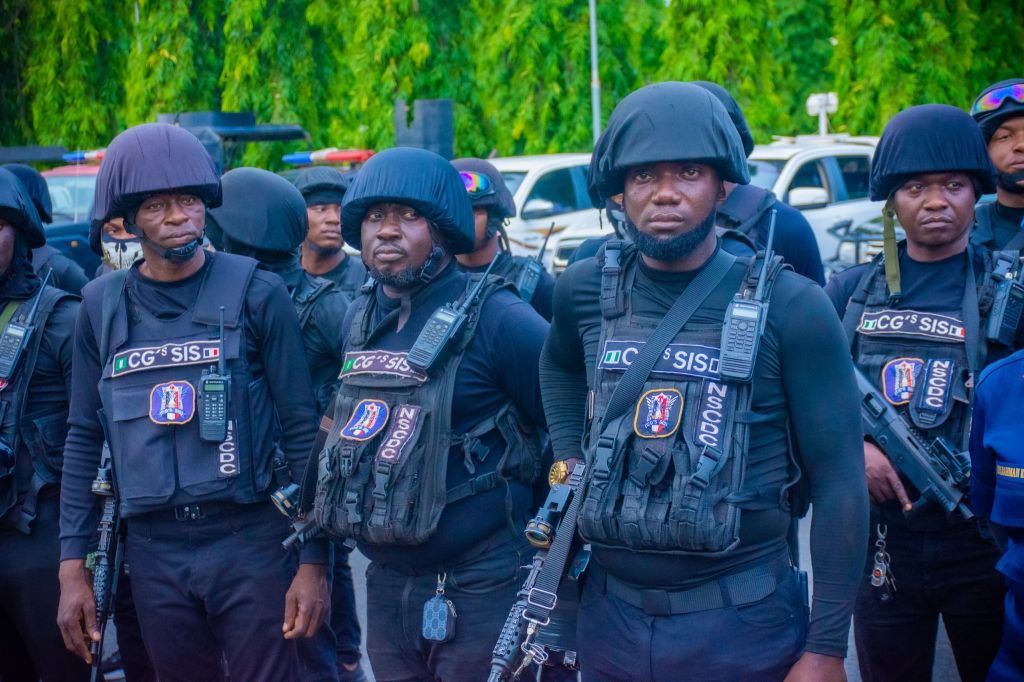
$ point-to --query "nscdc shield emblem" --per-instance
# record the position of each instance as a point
(898, 379)
(658, 413)
(173, 402)
(367, 420)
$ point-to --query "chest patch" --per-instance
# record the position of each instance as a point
(658, 413)
(712, 415)
(400, 435)
(899, 376)
(368, 419)
(173, 402)
(167, 355)
(379, 362)
(912, 323)
(679, 359)
(932, 404)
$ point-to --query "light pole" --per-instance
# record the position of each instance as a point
(595, 76)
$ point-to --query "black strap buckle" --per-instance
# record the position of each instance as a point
(381, 477)
(346, 460)
(189, 512)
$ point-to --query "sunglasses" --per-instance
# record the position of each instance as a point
(991, 101)
(477, 184)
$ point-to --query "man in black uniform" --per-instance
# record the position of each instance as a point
(430, 466)
(492, 206)
(999, 111)
(263, 216)
(67, 274)
(323, 252)
(33, 423)
(916, 322)
(680, 453)
(186, 361)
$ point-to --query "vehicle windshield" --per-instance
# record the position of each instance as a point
(71, 196)
(764, 173)
(513, 179)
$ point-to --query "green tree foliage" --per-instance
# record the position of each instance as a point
(730, 43)
(14, 115)
(75, 58)
(804, 51)
(175, 58)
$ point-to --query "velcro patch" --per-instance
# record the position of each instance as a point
(379, 362)
(932, 405)
(367, 420)
(658, 413)
(403, 428)
(172, 402)
(167, 355)
(912, 323)
(899, 376)
(679, 359)
(712, 415)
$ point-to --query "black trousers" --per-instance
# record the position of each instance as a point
(31, 646)
(951, 573)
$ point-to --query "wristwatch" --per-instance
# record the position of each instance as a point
(558, 473)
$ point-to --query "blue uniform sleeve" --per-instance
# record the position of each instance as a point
(517, 338)
(796, 243)
(983, 466)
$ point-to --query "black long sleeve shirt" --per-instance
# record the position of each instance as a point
(804, 368)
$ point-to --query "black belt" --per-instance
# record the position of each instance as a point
(198, 511)
(744, 587)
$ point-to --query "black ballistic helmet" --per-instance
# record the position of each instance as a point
(322, 184)
(496, 197)
(735, 113)
(668, 121)
(38, 191)
(417, 178)
(261, 210)
(990, 115)
(149, 159)
(930, 138)
(16, 208)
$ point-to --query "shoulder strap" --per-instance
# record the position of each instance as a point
(627, 391)
(983, 234)
(612, 256)
(8, 313)
(1017, 243)
(224, 284)
(493, 284)
(307, 293)
(745, 206)
(855, 306)
(111, 297)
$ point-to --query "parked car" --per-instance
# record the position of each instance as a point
(826, 178)
(71, 193)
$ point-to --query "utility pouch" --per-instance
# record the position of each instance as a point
(439, 615)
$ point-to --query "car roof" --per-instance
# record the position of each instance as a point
(525, 164)
(783, 150)
(75, 169)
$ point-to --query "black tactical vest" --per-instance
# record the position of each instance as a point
(309, 290)
(383, 474)
(668, 476)
(509, 268)
(38, 437)
(924, 363)
(150, 390)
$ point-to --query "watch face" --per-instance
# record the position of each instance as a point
(558, 473)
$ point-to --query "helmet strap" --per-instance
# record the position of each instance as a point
(890, 252)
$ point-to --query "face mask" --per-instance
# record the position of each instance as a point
(119, 254)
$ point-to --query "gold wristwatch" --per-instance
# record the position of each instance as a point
(558, 473)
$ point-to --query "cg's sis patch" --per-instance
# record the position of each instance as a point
(173, 402)
(379, 362)
(367, 420)
(912, 323)
(899, 376)
(167, 355)
(658, 413)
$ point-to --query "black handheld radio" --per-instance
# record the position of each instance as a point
(744, 323)
(1007, 308)
(15, 337)
(441, 330)
(214, 396)
(529, 277)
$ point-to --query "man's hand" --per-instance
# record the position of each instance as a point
(883, 482)
(306, 604)
(76, 613)
(817, 668)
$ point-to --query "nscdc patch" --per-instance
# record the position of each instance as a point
(173, 402)
(658, 413)
(899, 376)
(368, 419)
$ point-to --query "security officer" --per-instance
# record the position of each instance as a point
(996, 471)
(916, 319)
(430, 466)
(66, 273)
(117, 248)
(691, 471)
(492, 207)
(186, 362)
(323, 251)
(263, 216)
(33, 423)
(999, 111)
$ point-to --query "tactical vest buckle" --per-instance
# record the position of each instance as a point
(603, 455)
(707, 466)
(646, 465)
(381, 476)
(352, 507)
(346, 460)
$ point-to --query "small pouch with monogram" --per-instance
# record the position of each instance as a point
(439, 615)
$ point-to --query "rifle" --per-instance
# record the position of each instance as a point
(106, 564)
(538, 597)
(935, 467)
(299, 500)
